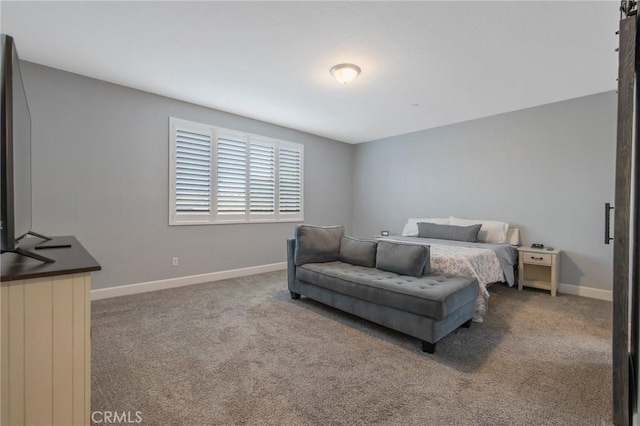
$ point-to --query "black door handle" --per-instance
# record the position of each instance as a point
(607, 222)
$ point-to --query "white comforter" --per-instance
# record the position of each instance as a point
(483, 264)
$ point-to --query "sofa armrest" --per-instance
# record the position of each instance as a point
(291, 266)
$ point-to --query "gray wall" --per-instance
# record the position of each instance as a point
(101, 172)
(547, 170)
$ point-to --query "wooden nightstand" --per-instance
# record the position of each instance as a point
(539, 268)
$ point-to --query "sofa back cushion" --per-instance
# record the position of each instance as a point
(468, 234)
(403, 259)
(358, 252)
(315, 244)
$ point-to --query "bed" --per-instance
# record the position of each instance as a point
(488, 262)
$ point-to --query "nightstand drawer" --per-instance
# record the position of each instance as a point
(540, 259)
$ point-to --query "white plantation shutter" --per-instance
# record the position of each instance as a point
(193, 172)
(290, 180)
(191, 193)
(231, 186)
(262, 178)
(224, 176)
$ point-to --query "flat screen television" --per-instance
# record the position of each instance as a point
(15, 161)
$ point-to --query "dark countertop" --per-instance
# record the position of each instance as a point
(73, 260)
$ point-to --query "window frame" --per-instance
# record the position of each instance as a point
(213, 217)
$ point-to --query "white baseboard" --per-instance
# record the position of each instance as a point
(593, 293)
(123, 290)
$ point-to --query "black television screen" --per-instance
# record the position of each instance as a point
(15, 203)
(15, 155)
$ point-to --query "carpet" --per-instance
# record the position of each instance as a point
(240, 351)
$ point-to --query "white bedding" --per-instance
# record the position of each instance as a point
(481, 263)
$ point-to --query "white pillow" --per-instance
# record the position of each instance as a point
(411, 227)
(491, 231)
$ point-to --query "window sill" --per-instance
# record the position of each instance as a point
(236, 222)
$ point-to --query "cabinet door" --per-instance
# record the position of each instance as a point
(46, 351)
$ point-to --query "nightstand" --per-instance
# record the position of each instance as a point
(539, 268)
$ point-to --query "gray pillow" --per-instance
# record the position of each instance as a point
(403, 259)
(358, 252)
(316, 244)
(427, 265)
(468, 234)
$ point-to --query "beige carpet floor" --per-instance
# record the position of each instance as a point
(241, 352)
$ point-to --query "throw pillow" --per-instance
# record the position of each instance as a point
(467, 234)
(491, 232)
(403, 259)
(411, 227)
(316, 244)
(427, 265)
(358, 252)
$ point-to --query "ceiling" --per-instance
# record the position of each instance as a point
(424, 64)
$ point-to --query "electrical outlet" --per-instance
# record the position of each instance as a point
(174, 262)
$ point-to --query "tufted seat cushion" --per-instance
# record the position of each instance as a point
(435, 296)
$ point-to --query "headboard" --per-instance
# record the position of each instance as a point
(513, 236)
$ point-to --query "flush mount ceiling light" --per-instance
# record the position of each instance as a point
(345, 73)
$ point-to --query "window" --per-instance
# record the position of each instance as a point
(224, 176)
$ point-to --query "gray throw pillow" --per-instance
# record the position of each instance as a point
(403, 259)
(427, 265)
(358, 252)
(316, 244)
(468, 234)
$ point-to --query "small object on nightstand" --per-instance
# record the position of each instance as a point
(537, 246)
(539, 268)
(384, 233)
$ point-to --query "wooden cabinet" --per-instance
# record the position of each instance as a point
(539, 268)
(45, 340)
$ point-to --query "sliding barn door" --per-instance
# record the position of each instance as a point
(625, 249)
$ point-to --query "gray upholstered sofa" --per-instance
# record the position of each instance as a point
(386, 283)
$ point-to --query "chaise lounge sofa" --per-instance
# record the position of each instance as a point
(386, 283)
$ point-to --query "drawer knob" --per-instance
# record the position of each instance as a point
(536, 258)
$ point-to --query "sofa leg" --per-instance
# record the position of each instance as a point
(466, 324)
(428, 347)
(294, 295)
